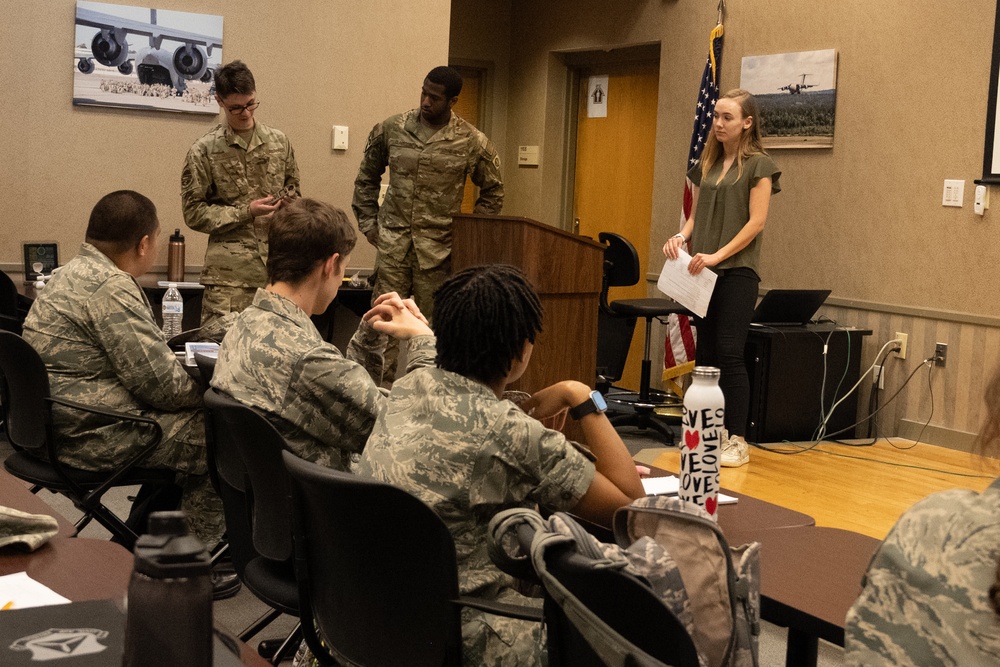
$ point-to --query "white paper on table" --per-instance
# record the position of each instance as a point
(24, 592)
(692, 292)
(670, 486)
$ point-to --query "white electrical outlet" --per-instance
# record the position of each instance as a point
(878, 376)
(902, 344)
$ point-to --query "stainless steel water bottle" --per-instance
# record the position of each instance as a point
(175, 257)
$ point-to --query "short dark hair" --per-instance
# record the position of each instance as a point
(234, 78)
(447, 77)
(482, 317)
(302, 234)
(120, 220)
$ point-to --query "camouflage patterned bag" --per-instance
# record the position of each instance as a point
(722, 583)
(645, 560)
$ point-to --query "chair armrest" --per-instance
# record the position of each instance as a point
(522, 612)
(147, 446)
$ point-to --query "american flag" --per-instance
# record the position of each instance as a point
(680, 343)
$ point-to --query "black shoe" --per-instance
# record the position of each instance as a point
(225, 584)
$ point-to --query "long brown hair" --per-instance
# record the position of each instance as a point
(988, 443)
(750, 138)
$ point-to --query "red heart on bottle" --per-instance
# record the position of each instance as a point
(691, 439)
(711, 505)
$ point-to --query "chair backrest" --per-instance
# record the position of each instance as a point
(621, 261)
(623, 611)
(247, 451)
(614, 332)
(206, 369)
(24, 384)
(370, 555)
(11, 319)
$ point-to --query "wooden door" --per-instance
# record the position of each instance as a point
(469, 106)
(613, 189)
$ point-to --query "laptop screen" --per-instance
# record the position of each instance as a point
(789, 307)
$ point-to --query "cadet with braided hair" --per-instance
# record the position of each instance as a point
(448, 437)
(490, 314)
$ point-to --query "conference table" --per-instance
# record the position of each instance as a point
(83, 569)
(811, 574)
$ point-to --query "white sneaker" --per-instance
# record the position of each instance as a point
(735, 452)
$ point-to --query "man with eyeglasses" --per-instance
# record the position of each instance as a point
(234, 177)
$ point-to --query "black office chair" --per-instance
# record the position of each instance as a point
(13, 306)
(245, 450)
(592, 609)
(24, 388)
(641, 409)
(377, 575)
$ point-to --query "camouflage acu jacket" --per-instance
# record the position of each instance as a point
(222, 175)
(322, 402)
(426, 182)
(94, 329)
(925, 599)
(467, 454)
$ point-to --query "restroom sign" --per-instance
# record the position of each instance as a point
(597, 97)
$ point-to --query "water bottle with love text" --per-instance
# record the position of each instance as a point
(701, 447)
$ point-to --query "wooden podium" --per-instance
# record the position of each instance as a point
(565, 269)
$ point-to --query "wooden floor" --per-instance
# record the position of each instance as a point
(863, 489)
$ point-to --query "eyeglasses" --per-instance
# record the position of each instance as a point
(236, 111)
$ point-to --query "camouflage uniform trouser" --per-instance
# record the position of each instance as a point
(182, 449)
(406, 278)
(220, 300)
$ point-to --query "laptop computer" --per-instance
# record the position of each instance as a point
(789, 307)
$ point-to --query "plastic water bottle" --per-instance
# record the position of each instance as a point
(169, 618)
(701, 449)
(173, 311)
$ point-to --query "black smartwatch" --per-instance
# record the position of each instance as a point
(594, 403)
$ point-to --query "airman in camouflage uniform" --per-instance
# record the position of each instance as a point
(452, 443)
(429, 152)
(322, 402)
(227, 182)
(925, 599)
(94, 329)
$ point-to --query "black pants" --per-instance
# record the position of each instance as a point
(722, 337)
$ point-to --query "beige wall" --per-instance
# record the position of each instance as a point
(864, 218)
(317, 63)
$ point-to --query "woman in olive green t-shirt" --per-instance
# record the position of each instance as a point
(734, 181)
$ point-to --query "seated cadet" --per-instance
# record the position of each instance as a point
(447, 437)
(93, 327)
(274, 359)
(931, 595)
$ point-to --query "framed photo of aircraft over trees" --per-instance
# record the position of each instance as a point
(142, 58)
(797, 93)
(991, 149)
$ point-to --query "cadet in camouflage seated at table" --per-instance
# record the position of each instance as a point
(93, 327)
(448, 437)
(323, 402)
(227, 185)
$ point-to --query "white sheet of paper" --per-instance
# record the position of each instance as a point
(23, 592)
(669, 486)
(692, 292)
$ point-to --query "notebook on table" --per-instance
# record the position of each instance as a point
(789, 307)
